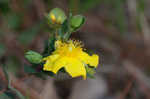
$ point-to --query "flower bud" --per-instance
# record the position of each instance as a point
(56, 16)
(77, 21)
(33, 57)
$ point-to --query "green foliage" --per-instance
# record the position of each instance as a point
(2, 49)
(141, 5)
(33, 57)
(85, 5)
(81, 6)
(90, 72)
(29, 69)
(14, 20)
(76, 22)
(66, 27)
(27, 3)
(61, 28)
(5, 96)
(4, 67)
(1, 32)
(37, 71)
(118, 11)
(49, 46)
(27, 36)
(4, 6)
(13, 65)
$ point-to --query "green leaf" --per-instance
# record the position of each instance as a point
(33, 57)
(49, 46)
(77, 21)
(90, 71)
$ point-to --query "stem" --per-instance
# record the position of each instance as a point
(68, 34)
(9, 83)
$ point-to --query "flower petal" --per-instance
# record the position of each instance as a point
(48, 66)
(59, 64)
(94, 60)
(50, 60)
(84, 57)
(75, 68)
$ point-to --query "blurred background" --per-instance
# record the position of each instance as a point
(117, 30)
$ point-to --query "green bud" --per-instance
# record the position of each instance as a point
(33, 57)
(77, 21)
(56, 16)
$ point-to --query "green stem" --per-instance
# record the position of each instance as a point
(9, 83)
(68, 34)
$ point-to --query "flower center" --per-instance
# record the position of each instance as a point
(70, 49)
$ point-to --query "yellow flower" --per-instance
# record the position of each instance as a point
(71, 56)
